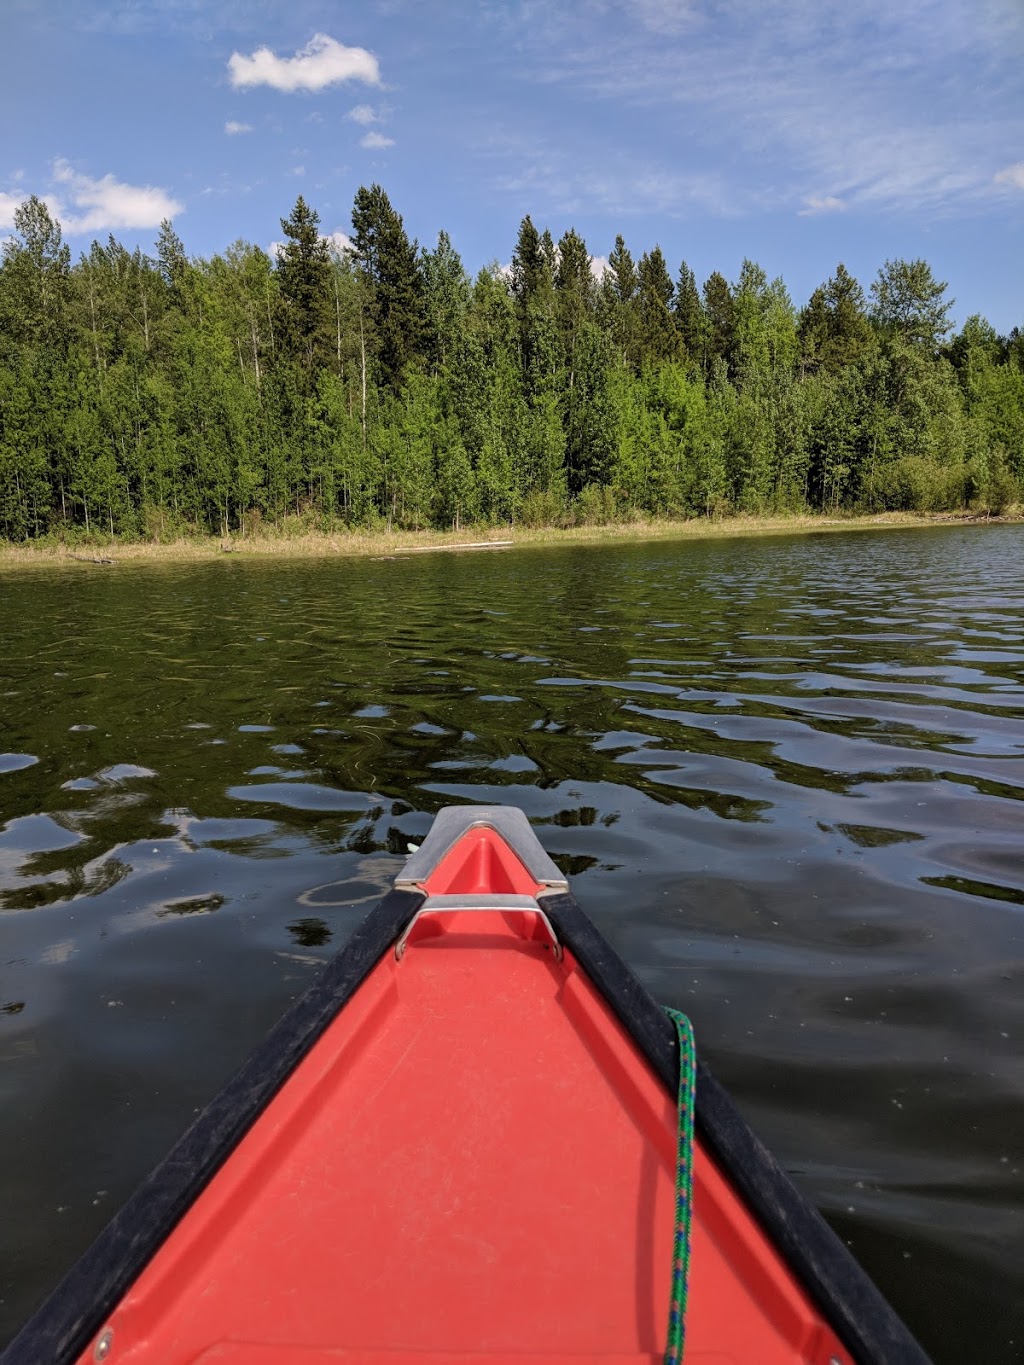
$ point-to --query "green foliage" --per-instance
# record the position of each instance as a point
(689, 313)
(447, 292)
(618, 303)
(379, 386)
(659, 338)
(303, 276)
(913, 483)
(719, 320)
(35, 280)
(392, 271)
(908, 304)
(834, 329)
(595, 506)
(542, 508)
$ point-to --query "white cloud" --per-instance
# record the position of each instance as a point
(322, 62)
(364, 114)
(298, 170)
(376, 141)
(823, 203)
(598, 265)
(339, 242)
(1011, 175)
(904, 108)
(107, 203)
(8, 204)
(233, 129)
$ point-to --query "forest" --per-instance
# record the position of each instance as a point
(380, 386)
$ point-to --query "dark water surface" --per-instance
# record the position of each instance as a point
(785, 774)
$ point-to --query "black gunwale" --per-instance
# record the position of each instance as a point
(63, 1326)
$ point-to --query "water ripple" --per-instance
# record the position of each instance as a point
(785, 775)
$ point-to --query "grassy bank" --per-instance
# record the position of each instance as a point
(306, 544)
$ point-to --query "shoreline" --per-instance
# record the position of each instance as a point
(397, 544)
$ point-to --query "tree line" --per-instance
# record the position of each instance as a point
(159, 395)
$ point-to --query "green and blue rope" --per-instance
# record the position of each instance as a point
(676, 1336)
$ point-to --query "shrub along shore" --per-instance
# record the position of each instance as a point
(379, 387)
(293, 540)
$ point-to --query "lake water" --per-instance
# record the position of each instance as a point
(785, 775)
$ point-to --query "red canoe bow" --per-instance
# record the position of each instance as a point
(460, 1144)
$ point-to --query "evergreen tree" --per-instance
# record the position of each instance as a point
(813, 332)
(622, 273)
(689, 314)
(528, 266)
(718, 312)
(618, 291)
(659, 338)
(171, 259)
(574, 288)
(390, 264)
(750, 341)
(532, 283)
(447, 291)
(849, 331)
(147, 396)
(304, 282)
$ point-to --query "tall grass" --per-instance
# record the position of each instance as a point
(294, 541)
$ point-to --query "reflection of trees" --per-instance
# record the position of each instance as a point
(193, 905)
(574, 864)
(310, 932)
(874, 836)
(80, 881)
(970, 886)
(580, 815)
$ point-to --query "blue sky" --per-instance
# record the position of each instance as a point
(798, 133)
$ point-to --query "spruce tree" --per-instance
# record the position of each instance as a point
(389, 262)
(718, 309)
(659, 339)
(574, 288)
(304, 280)
(749, 330)
(527, 264)
(619, 288)
(689, 315)
(170, 255)
(849, 331)
(813, 332)
(833, 328)
(446, 287)
(532, 285)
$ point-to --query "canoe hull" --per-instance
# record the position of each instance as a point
(466, 1148)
